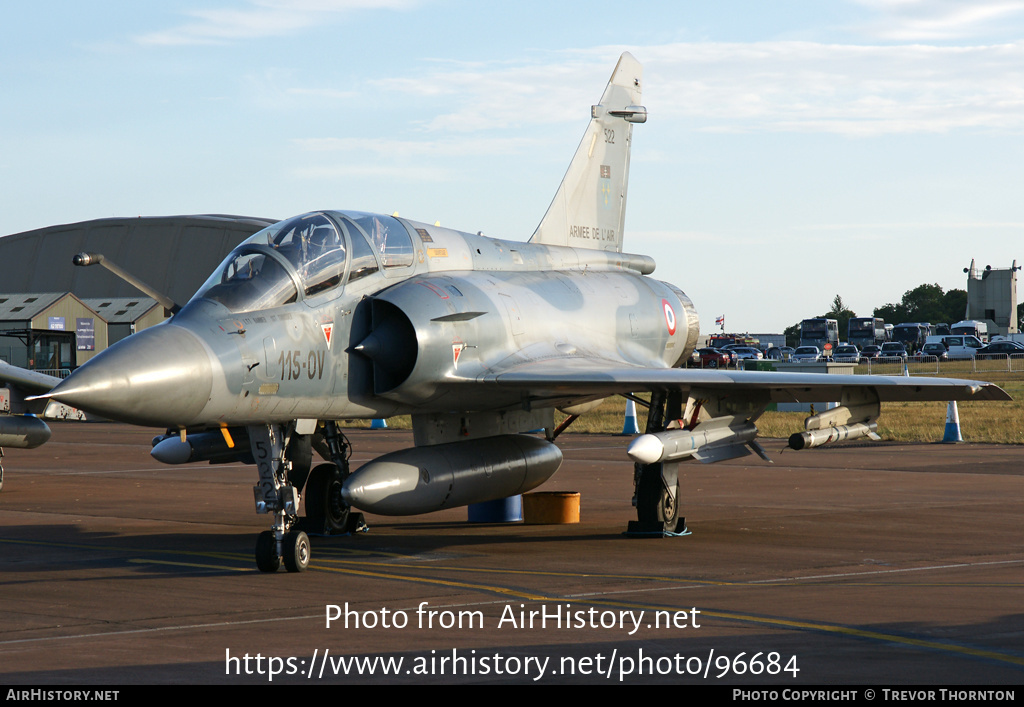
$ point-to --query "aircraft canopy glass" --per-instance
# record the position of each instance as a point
(313, 245)
(389, 237)
(268, 268)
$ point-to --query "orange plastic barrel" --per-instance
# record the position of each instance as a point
(551, 507)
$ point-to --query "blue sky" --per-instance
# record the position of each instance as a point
(794, 151)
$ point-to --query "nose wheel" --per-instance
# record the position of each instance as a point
(293, 549)
(267, 557)
(296, 551)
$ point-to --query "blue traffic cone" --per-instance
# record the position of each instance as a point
(629, 426)
(952, 435)
(378, 424)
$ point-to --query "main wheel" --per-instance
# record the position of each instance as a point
(296, 551)
(267, 558)
(326, 511)
(654, 503)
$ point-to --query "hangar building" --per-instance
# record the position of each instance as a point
(49, 331)
(173, 254)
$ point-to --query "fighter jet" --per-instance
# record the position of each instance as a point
(342, 315)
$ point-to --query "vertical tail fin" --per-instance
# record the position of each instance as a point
(589, 208)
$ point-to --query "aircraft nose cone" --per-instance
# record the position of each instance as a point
(160, 376)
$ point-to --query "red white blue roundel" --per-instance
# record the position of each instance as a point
(670, 317)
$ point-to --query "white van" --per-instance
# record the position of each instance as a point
(957, 345)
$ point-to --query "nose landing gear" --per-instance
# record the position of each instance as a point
(283, 458)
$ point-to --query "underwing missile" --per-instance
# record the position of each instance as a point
(706, 440)
(204, 446)
(827, 435)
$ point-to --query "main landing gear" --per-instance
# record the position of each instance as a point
(326, 511)
(657, 485)
(283, 456)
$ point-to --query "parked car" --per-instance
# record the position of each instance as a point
(847, 353)
(780, 353)
(710, 358)
(804, 354)
(1000, 349)
(729, 353)
(871, 351)
(893, 349)
(934, 351)
(747, 353)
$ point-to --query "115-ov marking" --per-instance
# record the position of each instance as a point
(293, 363)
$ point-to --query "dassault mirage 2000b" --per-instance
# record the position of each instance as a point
(338, 315)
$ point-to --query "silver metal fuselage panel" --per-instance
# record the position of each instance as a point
(468, 305)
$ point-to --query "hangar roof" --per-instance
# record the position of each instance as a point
(174, 254)
(23, 306)
(120, 310)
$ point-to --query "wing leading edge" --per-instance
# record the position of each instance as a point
(30, 381)
(544, 379)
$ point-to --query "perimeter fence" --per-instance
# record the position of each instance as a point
(932, 366)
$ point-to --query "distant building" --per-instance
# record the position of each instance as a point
(63, 315)
(174, 254)
(49, 331)
(992, 297)
(126, 315)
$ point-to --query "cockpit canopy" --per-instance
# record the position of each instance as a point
(306, 255)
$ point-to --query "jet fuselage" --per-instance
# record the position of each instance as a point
(390, 331)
